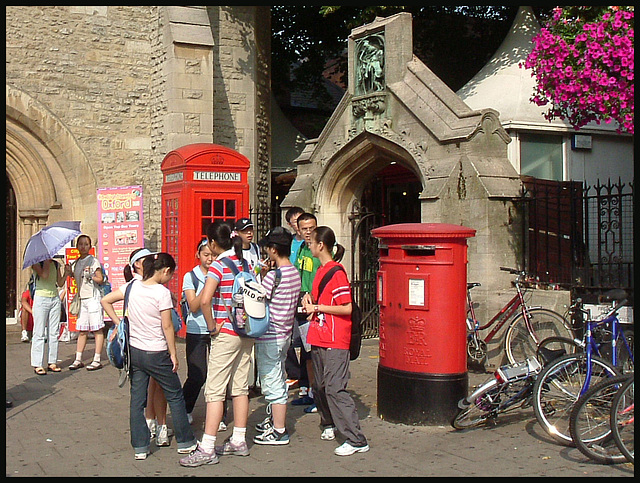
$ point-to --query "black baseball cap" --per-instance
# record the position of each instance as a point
(243, 224)
(278, 236)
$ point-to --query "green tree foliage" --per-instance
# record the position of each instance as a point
(454, 42)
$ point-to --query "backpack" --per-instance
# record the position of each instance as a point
(105, 286)
(32, 284)
(184, 305)
(249, 312)
(356, 316)
(117, 348)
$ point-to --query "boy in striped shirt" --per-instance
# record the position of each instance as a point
(271, 349)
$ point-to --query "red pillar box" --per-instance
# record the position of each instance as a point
(202, 183)
(421, 290)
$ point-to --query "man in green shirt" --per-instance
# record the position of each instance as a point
(307, 265)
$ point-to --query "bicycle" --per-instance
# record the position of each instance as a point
(562, 382)
(525, 331)
(621, 419)
(590, 422)
(510, 387)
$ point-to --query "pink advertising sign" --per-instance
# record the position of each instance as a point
(120, 230)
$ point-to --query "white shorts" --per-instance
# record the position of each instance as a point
(91, 317)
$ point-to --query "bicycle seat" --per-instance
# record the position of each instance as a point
(616, 294)
(472, 284)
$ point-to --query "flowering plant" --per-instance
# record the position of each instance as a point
(582, 60)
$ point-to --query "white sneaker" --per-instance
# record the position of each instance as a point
(152, 424)
(222, 426)
(347, 449)
(328, 434)
(162, 437)
(141, 456)
(25, 336)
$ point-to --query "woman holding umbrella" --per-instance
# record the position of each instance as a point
(38, 254)
(46, 314)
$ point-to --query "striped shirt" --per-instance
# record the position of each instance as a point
(224, 276)
(282, 307)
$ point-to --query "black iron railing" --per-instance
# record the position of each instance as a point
(578, 235)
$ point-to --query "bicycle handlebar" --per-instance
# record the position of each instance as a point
(512, 270)
(618, 297)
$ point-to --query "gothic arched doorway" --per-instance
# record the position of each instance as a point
(10, 250)
(390, 197)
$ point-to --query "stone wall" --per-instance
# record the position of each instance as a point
(131, 83)
(91, 68)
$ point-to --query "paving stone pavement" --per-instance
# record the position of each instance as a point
(76, 423)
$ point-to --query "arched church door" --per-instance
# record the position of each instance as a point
(10, 247)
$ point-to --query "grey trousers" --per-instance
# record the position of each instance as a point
(335, 405)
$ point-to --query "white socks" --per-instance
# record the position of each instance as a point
(239, 435)
(208, 443)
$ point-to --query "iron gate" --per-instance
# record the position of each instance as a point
(364, 266)
(579, 236)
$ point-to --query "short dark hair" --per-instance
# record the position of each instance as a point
(307, 216)
(294, 210)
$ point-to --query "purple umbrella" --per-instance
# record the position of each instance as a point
(48, 241)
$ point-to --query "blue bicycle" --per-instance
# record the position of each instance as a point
(608, 351)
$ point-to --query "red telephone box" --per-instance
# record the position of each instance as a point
(202, 183)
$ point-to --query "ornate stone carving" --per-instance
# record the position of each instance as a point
(374, 105)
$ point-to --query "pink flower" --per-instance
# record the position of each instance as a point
(584, 70)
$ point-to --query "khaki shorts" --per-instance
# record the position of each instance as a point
(229, 366)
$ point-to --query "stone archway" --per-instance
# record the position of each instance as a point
(48, 171)
(347, 173)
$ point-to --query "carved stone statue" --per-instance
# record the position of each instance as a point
(370, 64)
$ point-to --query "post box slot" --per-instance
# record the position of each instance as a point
(419, 250)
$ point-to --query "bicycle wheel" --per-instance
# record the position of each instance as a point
(519, 343)
(552, 348)
(590, 422)
(485, 402)
(558, 387)
(622, 427)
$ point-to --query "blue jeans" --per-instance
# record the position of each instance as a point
(270, 359)
(46, 314)
(198, 348)
(156, 364)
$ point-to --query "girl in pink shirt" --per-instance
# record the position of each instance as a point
(152, 350)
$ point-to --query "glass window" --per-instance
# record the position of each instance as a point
(206, 208)
(541, 156)
(218, 208)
